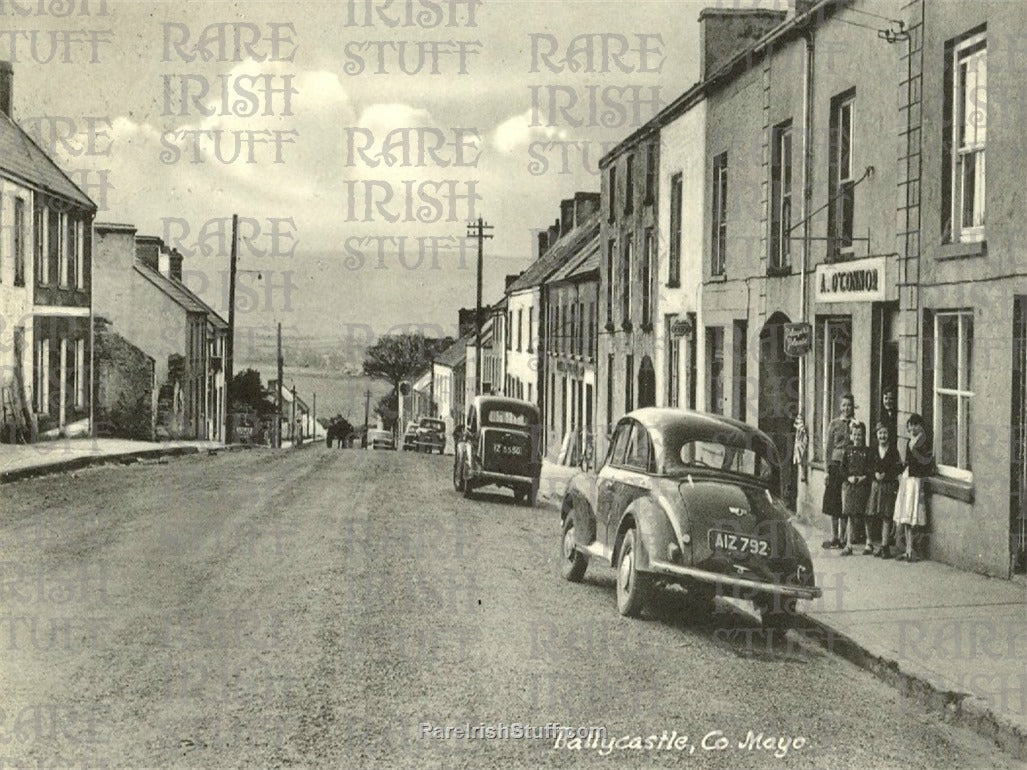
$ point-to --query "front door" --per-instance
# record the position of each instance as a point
(779, 401)
(885, 354)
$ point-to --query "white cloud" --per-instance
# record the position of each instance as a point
(518, 131)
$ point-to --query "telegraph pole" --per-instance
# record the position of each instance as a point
(367, 414)
(313, 420)
(477, 230)
(230, 342)
(278, 393)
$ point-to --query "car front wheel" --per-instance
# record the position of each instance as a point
(633, 586)
(573, 563)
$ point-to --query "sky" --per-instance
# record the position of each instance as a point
(355, 138)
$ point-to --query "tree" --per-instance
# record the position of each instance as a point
(246, 393)
(398, 357)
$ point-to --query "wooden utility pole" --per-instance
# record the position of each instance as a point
(431, 390)
(367, 414)
(278, 393)
(477, 230)
(230, 342)
(313, 419)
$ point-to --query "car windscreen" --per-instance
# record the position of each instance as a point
(508, 416)
(685, 455)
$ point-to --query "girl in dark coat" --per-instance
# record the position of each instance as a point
(886, 467)
(856, 465)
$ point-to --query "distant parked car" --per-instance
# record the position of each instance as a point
(500, 444)
(380, 439)
(410, 436)
(685, 498)
(431, 435)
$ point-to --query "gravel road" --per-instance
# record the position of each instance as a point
(330, 608)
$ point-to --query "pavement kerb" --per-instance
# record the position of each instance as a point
(88, 461)
(959, 708)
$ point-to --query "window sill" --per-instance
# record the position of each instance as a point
(717, 278)
(956, 489)
(962, 250)
(779, 271)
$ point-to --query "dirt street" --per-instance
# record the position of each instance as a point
(345, 608)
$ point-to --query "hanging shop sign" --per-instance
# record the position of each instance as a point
(797, 339)
(862, 280)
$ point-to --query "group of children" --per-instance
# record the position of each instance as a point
(871, 490)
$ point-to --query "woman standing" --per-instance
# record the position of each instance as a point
(910, 504)
(834, 453)
(856, 487)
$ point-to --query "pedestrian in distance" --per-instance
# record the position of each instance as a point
(910, 503)
(890, 414)
(834, 453)
(886, 466)
(856, 465)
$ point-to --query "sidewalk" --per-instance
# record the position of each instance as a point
(954, 641)
(24, 461)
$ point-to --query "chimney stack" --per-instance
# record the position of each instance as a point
(585, 204)
(726, 32)
(175, 260)
(566, 216)
(511, 277)
(554, 234)
(6, 88)
(147, 249)
(543, 242)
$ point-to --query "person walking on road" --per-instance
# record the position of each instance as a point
(834, 453)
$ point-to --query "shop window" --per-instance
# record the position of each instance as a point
(833, 375)
(673, 362)
(625, 280)
(19, 242)
(612, 211)
(842, 193)
(967, 130)
(674, 258)
(611, 251)
(629, 185)
(715, 369)
(781, 197)
(629, 382)
(647, 279)
(953, 397)
(718, 250)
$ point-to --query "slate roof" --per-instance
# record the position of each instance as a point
(456, 353)
(23, 159)
(181, 295)
(585, 260)
(564, 248)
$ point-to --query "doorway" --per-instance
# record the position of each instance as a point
(885, 356)
(779, 400)
(646, 383)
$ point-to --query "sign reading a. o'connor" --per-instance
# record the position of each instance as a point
(862, 280)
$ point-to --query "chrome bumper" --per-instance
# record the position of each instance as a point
(753, 586)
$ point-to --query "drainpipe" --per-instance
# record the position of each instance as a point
(807, 157)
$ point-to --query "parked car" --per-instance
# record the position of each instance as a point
(500, 444)
(380, 439)
(410, 436)
(431, 435)
(685, 498)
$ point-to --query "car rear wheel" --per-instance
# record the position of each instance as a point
(633, 587)
(573, 563)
